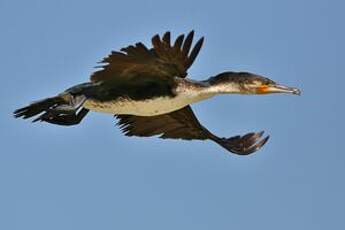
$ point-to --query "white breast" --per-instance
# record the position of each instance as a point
(148, 107)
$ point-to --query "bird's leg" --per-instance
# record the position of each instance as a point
(75, 102)
(65, 114)
(63, 119)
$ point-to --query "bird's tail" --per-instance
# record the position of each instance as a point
(49, 110)
(38, 107)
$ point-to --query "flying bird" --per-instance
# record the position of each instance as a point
(148, 91)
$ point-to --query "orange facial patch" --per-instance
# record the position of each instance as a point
(263, 89)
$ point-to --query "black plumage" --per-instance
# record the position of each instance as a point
(139, 74)
(183, 124)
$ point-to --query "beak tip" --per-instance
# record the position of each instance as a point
(297, 92)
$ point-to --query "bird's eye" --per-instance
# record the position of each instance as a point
(269, 82)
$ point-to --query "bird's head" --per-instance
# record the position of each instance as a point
(248, 83)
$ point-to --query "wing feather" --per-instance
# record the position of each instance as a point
(195, 52)
(187, 43)
(162, 61)
(178, 42)
(166, 38)
(183, 124)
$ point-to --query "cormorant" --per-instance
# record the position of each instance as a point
(147, 91)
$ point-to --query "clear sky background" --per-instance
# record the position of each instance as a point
(92, 177)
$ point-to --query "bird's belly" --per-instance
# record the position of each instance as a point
(147, 107)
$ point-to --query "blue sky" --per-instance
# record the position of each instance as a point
(92, 177)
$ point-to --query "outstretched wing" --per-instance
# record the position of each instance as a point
(163, 60)
(183, 124)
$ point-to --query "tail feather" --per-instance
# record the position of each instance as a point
(38, 107)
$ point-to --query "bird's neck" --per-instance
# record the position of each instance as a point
(215, 87)
(201, 90)
(227, 88)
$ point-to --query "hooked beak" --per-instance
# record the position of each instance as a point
(279, 89)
